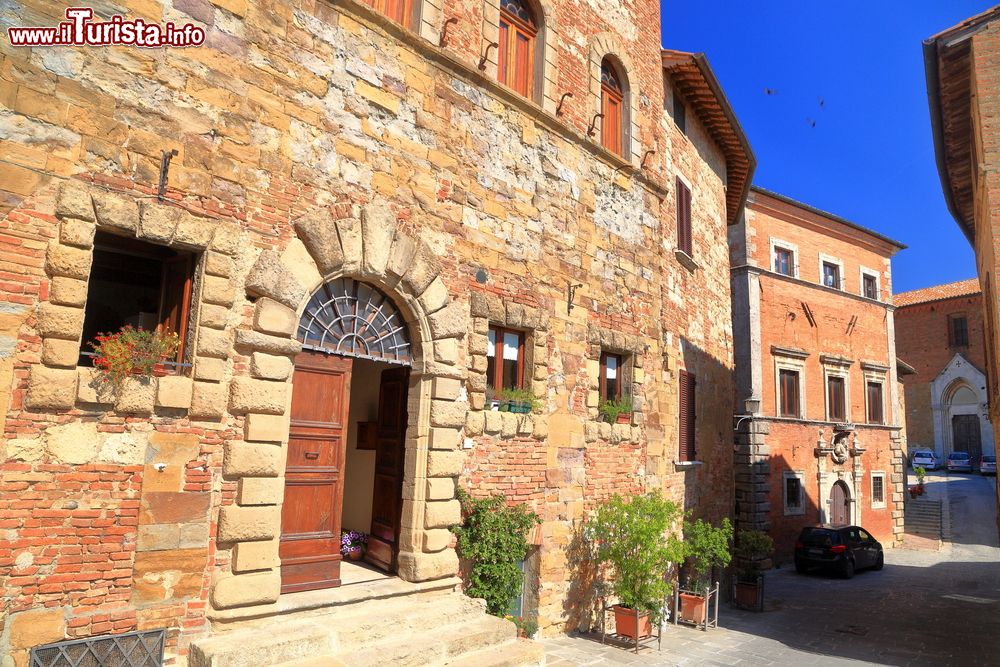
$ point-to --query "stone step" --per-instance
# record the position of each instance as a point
(374, 621)
(316, 661)
(254, 649)
(521, 653)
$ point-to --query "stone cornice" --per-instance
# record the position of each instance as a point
(761, 271)
(793, 352)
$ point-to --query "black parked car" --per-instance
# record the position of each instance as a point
(843, 549)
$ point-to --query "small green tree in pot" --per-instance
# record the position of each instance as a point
(706, 547)
(751, 549)
(616, 410)
(635, 540)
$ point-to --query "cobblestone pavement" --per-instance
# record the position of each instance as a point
(925, 608)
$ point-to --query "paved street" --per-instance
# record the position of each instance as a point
(924, 608)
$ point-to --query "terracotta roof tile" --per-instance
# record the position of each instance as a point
(938, 292)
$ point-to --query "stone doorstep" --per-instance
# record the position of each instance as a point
(310, 603)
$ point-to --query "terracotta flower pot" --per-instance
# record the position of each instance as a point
(692, 608)
(624, 418)
(632, 624)
(160, 369)
(914, 492)
(355, 554)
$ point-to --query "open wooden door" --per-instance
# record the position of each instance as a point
(314, 484)
(387, 501)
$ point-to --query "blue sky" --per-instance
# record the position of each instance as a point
(870, 157)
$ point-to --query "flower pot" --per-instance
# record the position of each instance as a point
(159, 369)
(520, 408)
(624, 418)
(920, 489)
(494, 405)
(355, 553)
(632, 624)
(692, 608)
(746, 594)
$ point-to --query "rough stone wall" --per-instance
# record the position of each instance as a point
(922, 342)
(300, 109)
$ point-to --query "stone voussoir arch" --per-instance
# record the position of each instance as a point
(369, 248)
(604, 45)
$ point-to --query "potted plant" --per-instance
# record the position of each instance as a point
(617, 411)
(132, 351)
(491, 399)
(706, 547)
(521, 401)
(921, 474)
(353, 543)
(634, 539)
(752, 547)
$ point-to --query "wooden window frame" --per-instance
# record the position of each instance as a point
(953, 341)
(496, 382)
(602, 379)
(838, 279)
(879, 503)
(830, 402)
(791, 260)
(400, 11)
(687, 417)
(875, 410)
(685, 242)
(613, 111)
(800, 507)
(507, 62)
(789, 401)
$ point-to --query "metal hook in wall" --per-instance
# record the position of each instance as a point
(486, 55)
(642, 163)
(561, 100)
(570, 293)
(593, 123)
(165, 157)
(443, 40)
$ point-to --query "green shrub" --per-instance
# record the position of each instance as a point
(493, 538)
(611, 408)
(519, 396)
(751, 546)
(635, 539)
(706, 546)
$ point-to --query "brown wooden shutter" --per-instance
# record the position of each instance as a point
(175, 300)
(686, 430)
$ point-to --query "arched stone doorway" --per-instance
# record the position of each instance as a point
(840, 504)
(959, 408)
(964, 417)
(347, 428)
(280, 285)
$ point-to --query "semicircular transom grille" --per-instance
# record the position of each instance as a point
(355, 319)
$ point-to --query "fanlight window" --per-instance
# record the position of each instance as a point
(355, 319)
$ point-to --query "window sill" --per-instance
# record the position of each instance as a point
(687, 465)
(686, 259)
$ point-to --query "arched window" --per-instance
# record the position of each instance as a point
(398, 10)
(516, 53)
(612, 108)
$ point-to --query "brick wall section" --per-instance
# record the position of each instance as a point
(922, 342)
(303, 106)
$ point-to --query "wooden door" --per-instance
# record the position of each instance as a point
(965, 436)
(314, 484)
(387, 492)
(840, 514)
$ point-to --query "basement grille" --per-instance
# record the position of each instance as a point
(133, 649)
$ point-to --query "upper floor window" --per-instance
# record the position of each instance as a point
(869, 286)
(140, 284)
(873, 397)
(680, 112)
(684, 242)
(687, 449)
(398, 10)
(958, 331)
(836, 399)
(610, 386)
(788, 392)
(784, 261)
(831, 275)
(516, 52)
(505, 358)
(612, 107)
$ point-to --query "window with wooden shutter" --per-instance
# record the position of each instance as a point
(610, 385)
(688, 415)
(612, 108)
(835, 398)
(144, 285)
(789, 390)
(516, 52)
(505, 359)
(958, 331)
(397, 10)
(874, 395)
(684, 218)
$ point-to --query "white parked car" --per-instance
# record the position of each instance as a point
(924, 458)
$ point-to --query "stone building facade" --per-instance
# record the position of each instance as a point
(821, 438)
(964, 98)
(356, 211)
(939, 332)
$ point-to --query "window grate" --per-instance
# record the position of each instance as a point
(133, 649)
